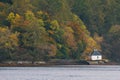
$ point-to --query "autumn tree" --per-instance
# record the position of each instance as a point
(8, 43)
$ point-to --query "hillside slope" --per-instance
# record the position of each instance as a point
(58, 29)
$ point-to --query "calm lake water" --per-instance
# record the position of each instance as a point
(71, 72)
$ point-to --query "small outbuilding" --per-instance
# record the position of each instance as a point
(96, 55)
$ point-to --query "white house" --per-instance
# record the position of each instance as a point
(96, 55)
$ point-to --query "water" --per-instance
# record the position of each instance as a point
(71, 72)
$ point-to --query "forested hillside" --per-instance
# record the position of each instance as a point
(59, 29)
(102, 17)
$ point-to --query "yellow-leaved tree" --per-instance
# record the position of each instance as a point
(8, 42)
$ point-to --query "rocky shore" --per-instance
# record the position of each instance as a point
(51, 63)
(41, 63)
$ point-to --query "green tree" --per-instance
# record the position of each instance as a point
(111, 44)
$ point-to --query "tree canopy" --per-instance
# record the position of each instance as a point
(58, 29)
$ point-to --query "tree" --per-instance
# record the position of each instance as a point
(21, 6)
(112, 44)
(8, 43)
(6, 1)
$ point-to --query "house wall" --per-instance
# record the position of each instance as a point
(96, 57)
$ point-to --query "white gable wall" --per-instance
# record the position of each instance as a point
(96, 57)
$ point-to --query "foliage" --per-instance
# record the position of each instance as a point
(97, 14)
(112, 42)
(62, 29)
(8, 42)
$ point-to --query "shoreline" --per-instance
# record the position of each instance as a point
(41, 63)
(34, 65)
(49, 64)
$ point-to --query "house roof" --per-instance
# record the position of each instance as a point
(96, 52)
